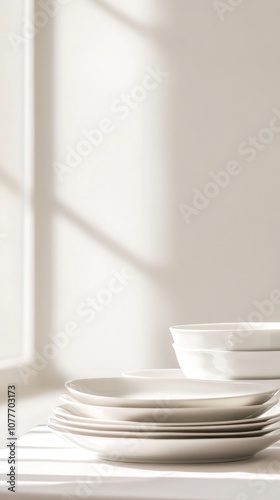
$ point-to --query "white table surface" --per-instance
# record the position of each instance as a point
(49, 468)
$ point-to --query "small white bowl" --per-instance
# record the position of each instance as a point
(228, 365)
(228, 336)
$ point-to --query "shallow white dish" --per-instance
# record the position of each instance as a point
(272, 383)
(156, 373)
(172, 393)
(269, 416)
(165, 414)
(160, 451)
(88, 423)
(228, 336)
(228, 365)
(65, 425)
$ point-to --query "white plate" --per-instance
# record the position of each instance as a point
(156, 373)
(171, 451)
(165, 414)
(174, 393)
(228, 336)
(150, 427)
(273, 384)
(240, 425)
(65, 425)
(228, 365)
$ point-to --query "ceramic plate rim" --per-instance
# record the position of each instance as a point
(172, 451)
(261, 419)
(159, 435)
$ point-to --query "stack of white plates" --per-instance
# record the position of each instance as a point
(228, 351)
(168, 420)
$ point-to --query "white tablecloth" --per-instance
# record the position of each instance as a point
(49, 468)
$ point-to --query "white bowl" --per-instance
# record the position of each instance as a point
(228, 336)
(228, 365)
